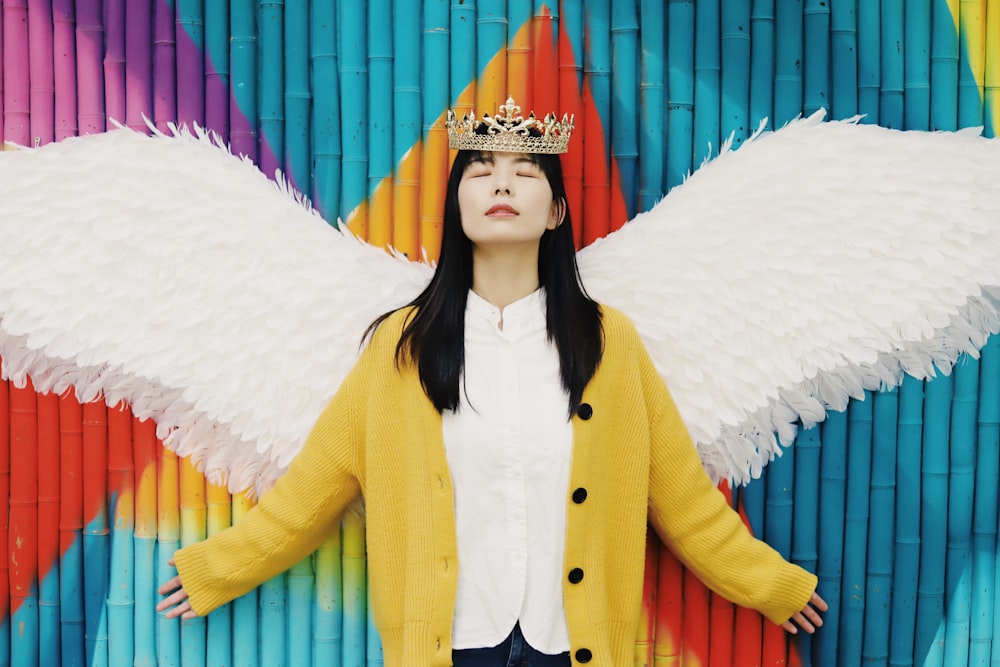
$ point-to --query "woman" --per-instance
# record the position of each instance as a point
(510, 437)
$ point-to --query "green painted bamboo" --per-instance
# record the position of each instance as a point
(329, 614)
(298, 96)
(869, 61)
(816, 75)
(856, 509)
(243, 77)
(707, 80)
(326, 112)
(353, 49)
(762, 63)
(624, 87)
(270, 41)
(680, 90)
(917, 65)
(971, 62)
(843, 58)
(892, 57)
(788, 62)
(652, 102)
(832, 496)
(734, 114)
(944, 68)
(806, 527)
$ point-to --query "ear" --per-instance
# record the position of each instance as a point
(558, 214)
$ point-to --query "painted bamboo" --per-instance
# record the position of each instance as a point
(833, 502)
(652, 102)
(16, 101)
(788, 55)
(243, 76)
(272, 642)
(869, 64)
(695, 626)
(722, 616)
(64, 69)
(114, 59)
(749, 631)
(217, 67)
(917, 65)
(680, 91)
(882, 496)
(5, 608)
(491, 42)
(168, 631)
(329, 613)
(624, 86)
(984, 518)
(734, 115)
(48, 528)
(40, 72)
(934, 518)
(843, 58)
(164, 65)
(298, 97)
(138, 56)
(144, 456)
(891, 64)
(193, 511)
(190, 34)
(121, 494)
(971, 62)
(22, 538)
(406, 136)
(355, 595)
(944, 65)
(571, 88)
(906, 557)
(373, 649)
(462, 65)
(816, 75)
(326, 102)
(991, 89)
(544, 80)
(271, 122)
(71, 579)
(669, 609)
(645, 638)
(379, 120)
(300, 613)
(852, 595)
(779, 482)
(219, 636)
(805, 526)
(352, 47)
(596, 139)
(707, 80)
(435, 46)
(95, 531)
(2, 66)
(961, 478)
(761, 62)
(246, 643)
(520, 50)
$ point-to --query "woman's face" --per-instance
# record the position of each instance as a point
(505, 200)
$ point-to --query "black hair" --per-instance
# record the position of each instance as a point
(434, 335)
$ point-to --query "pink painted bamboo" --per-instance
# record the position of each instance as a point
(1, 78)
(114, 59)
(15, 72)
(90, 72)
(139, 58)
(64, 67)
(40, 75)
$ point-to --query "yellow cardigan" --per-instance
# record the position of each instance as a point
(381, 436)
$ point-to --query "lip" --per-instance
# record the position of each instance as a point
(502, 210)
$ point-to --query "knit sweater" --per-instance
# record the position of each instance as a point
(381, 436)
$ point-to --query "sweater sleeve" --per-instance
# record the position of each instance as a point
(693, 518)
(295, 516)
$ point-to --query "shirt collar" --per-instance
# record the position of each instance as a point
(520, 318)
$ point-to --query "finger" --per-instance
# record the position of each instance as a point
(180, 610)
(819, 602)
(188, 615)
(171, 563)
(171, 585)
(804, 623)
(170, 601)
(813, 616)
(790, 627)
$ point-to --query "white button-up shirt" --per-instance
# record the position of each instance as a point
(509, 447)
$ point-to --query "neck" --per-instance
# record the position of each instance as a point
(503, 277)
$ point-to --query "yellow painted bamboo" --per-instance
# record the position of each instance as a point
(192, 503)
(406, 203)
(381, 222)
(972, 28)
(219, 509)
(167, 497)
(433, 180)
(520, 63)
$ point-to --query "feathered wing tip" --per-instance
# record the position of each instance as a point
(809, 265)
(164, 271)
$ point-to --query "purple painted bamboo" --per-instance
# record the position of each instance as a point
(190, 35)
(114, 59)
(42, 99)
(15, 72)
(64, 67)
(139, 60)
(90, 72)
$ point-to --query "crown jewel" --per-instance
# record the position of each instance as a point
(509, 132)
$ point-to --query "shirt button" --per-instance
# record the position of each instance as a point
(585, 411)
(575, 575)
(579, 495)
(583, 655)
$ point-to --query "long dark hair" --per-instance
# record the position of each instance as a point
(434, 336)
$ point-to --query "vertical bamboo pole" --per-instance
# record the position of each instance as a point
(114, 59)
(852, 596)
(544, 78)
(434, 160)
(219, 648)
(273, 632)
(5, 608)
(491, 42)
(892, 56)
(64, 68)
(164, 65)
(833, 501)
(906, 562)
(669, 609)
(624, 87)
(121, 492)
(844, 58)
(749, 632)
(298, 97)
(695, 626)
(144, 543)
(406, 135)
(570, 57)
(270, 42)
(247, 642)
(971, 62)
(71, 580)
(217, 67)
(41, 74)
(646, 636)
(326, 103)
(707, 80)
(652, 102)
(734, 116)
(463, 67)
(16, 102)
(816, 34)
(680, 91)
(805, 527)
(944, 65)
(243, 77)
(596, 144)
(95, 531)
(991, 89)
(373, 649)
(379, 120)
(22, 538)
(168, 631)
(788, 58)
(2, 69)
(300, 613)
(778, 530)
(355, 594)
(520, 65)
(139, 57)
(917, 65)
(329, 612)
(869, 61)
(48, 528)
(193, 511)
(190, 33)
(90, 74)
(762, 62)
(353, 48)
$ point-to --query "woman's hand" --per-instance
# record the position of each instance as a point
(808, 619)
(177, 598)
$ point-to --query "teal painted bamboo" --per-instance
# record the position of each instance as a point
(373, 649)
(435, 47)
(788, 62)
(652, 102)
(832, 497)
(892, 56)
(247, 643)
(380, 163)
(843, 58)
(906, 561)
(624, 86)
(121, 588)
(300, 613)
(298, 96)
(933, 520)
(355, 594)
(762, 63)
(597, 63)
(869, 61)
(521, 56)
(680, 90)
(270, 41)
(961, 478)
(272, 643)
(329, 615)
(190, 61)
(944, 68)
(816, 75)
(778, 524)
(852, 595)
(707, 80)
(217, 67)
(243, 77)
(734, 113)
(326, 109)
(462, 66)
(353, 49)
(882, 497)
(971, 58)
(805, 527)
(917, 65)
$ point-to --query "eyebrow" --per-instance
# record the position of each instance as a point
(524, 159)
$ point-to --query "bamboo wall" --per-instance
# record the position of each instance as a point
(893, 503)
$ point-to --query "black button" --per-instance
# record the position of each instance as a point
(583, 655)
(579, 495)
(585, 411)
(575, 575)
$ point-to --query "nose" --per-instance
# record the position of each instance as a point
(502, 189)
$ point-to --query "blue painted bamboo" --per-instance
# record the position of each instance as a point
(734, 113)
(168, 631)
(329, 616)
(762, 63)
(754, 498)
(217, 67)
(271, 47)
(300, 613)
(326, 109)
(816, 77)
(571, 18)
(243, 77)
(933, 521)
(272, 612)
(971, 61)
(597, 64)
(71, 606)
(406, 128)
(462, 66)
(219, 648)
(961, 477)
(707, 80)
(869, 61)
(680, 91)
(95, 532)
(852, 594)
(355, 595)
(521, 53)
(917, 65)
(298, 98)
(352, 48)
(121, 588)
(191, 61)
(906, 562)
(805, 527)
(380, 164)
(882, 500)
(652, 102)
(625, 86)
(843, 58)
(144, 549)
(892, 58)
(984, 518)
(788, 62)
(832, 496)
(246, 643)
(435, 48)
(944, 68)
(491, 38)
(780, 483)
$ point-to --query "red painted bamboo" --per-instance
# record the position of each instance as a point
(774, 652)
(570, 73)
(95, 467)
(22, 539)
(722, 611)
(647, 615)
(4, 493)
(48, 483)
(669, 609)
(749, 631)
(695, 628)
(545, 79)
(71, 524)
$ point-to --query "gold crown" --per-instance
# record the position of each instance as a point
(509, 132)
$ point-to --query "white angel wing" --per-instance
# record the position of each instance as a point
(168, 273)
(812, 263)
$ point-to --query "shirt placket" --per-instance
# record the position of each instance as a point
(515, 500)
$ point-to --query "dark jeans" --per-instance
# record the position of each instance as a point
(511, 652)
